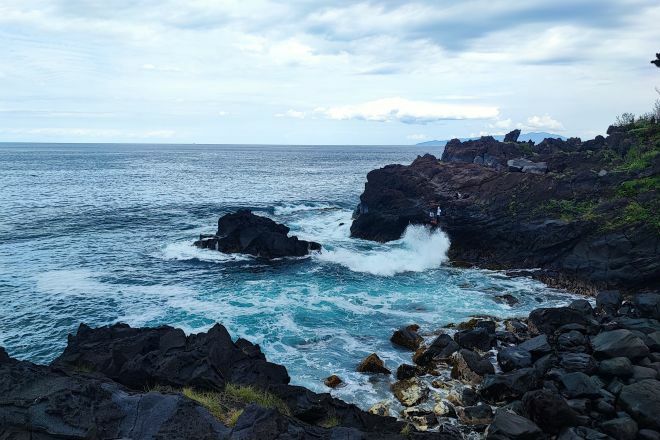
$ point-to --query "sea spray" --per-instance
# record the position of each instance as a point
(419, 249)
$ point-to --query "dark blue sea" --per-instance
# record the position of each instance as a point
(102, 233)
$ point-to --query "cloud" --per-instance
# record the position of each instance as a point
(409, 111)
(544, 122)
(417, 137)
(291, 114)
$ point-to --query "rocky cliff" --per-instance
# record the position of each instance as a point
(585, 212)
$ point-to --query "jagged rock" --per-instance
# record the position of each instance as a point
(616, 343)
(443, 408)
(513, 358)
(332, 381)
(441, 349)
(477, 339)
(608, 301)
(548, 410)
(573, 341)
(648, 305)
(381, 408)
(516, 326)
(410, 392)
(512, 136)
(470, 366)
(407, 337)
(537, 346)
(373, 364)
(463, 396)
(507, 386)
(246, 233)
(510, 426)
(480, 414)
(582, 362)
(406, 371)
(548, 320)
(527, 166)
(142, 357)
(621, 428)
(579, 385)
(583, 306)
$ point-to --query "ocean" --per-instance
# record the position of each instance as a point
(102, 233)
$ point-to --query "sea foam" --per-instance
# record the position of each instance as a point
(419, 249)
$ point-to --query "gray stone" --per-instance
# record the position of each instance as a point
(617, 343)
(642, 401)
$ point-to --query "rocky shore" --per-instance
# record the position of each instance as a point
(586, 213)
(574, 372)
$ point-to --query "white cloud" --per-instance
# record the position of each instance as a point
(417, 137)
(409, 111)
(291, 114)
(544, 122)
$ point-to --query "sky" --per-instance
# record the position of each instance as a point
(321, 72)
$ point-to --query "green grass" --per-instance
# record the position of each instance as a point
(571, 210)
(406, 431)
(636, 213)
(329, 422)
(227, 406)
(632, 188)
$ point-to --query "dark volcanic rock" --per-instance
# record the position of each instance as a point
(582, 362)
(142, 357)
(477, 339)
(441, 349)
(513, 358)
(500, 387)
(579, 385)
(555, 215)
(246, 233)
(537, 346)
(407, 337)
(470, 366)
(373, 364)
(617, 343)
(608, 301)
(648, 305)
(510, 426)
(642, 401)
(548, 320)
(618, 366)
(621, 428)
(548, 410)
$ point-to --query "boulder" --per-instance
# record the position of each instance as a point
(507, 386)
(470, 366)
(410, 392)
(620, 428)
(507, 299)
(548, 320)
(332, 381)
(579, 385)
(380, 408)
(648, 305)
(521, 165)
(246, 233)
(608, 301)
(573, 341)
(477, 339)
(618, 366)
(441, 349)
(548, 410)
(480, 414)
(406, 371)
(616, 343)
(142, 357)
(407, 337)
(513, 358)
(373, 364)
(537, 346)
(510, 426)
(582, 306)
(581, 362)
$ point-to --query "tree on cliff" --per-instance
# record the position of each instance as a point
(657, 60)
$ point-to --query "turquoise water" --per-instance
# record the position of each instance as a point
(103, 233)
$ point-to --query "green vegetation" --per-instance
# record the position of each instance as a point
(571, 210)
(227, 406)
(632, 188)
(406, 431)
(635, 213)
(329, 422)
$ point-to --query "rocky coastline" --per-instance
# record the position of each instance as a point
(585, 213)
(574, 372)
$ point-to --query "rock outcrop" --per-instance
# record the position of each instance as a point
(246, 233)
(585, 212)
(99, 388)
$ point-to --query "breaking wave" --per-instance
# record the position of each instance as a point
(419, 249)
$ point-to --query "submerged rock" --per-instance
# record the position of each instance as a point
(332, 381)
(407, 337)
(246, 233)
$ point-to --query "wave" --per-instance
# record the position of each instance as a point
(291, 208)
(184, 251)
(418, 250)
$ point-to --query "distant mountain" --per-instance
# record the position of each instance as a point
(524, 137)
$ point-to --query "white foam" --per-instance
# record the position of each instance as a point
(291, 208)
(419, 249)
(184, 251)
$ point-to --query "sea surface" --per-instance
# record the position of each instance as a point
(101, 233)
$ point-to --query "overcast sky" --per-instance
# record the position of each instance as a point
(320, 72)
